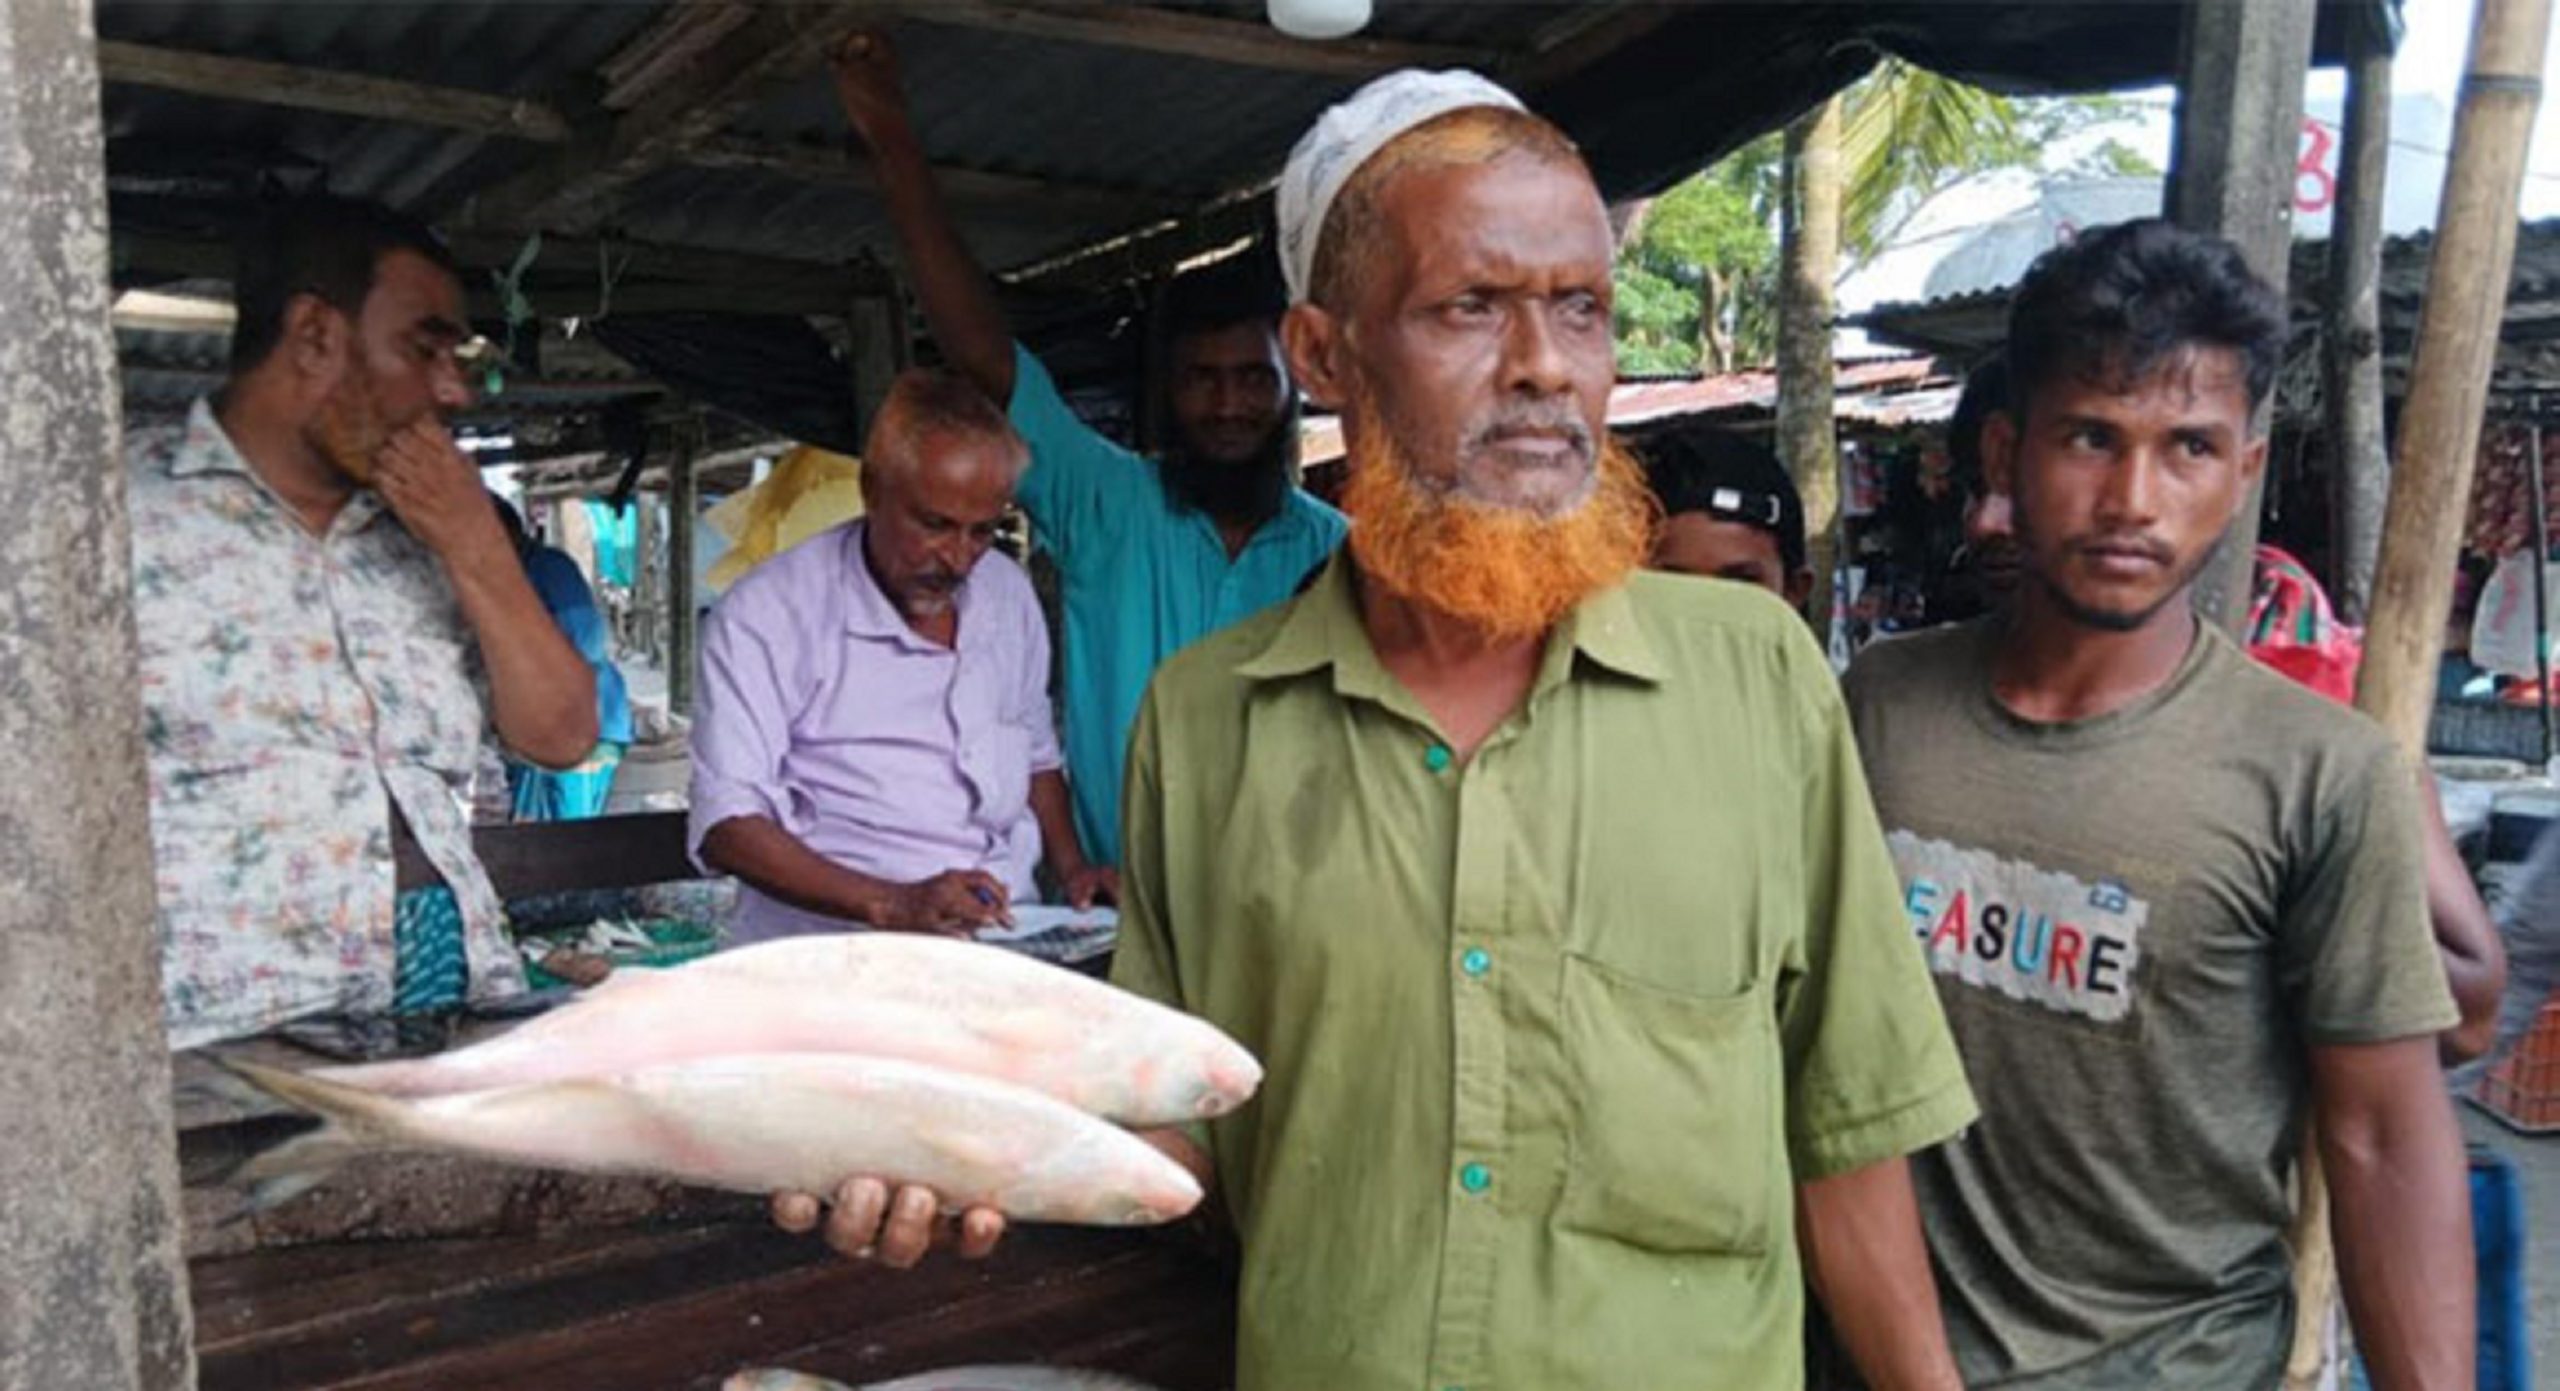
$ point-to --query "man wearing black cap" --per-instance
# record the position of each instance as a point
(1729, 511)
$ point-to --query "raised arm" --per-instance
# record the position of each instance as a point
(542, 694)
(959, 302)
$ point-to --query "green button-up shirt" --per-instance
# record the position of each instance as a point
(1550, 1032)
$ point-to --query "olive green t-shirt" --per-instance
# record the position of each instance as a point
(1551, 1032)
(2139, 922)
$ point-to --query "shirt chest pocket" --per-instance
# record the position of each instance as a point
(1677, 1141)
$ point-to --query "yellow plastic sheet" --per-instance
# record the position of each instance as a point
(809, 491)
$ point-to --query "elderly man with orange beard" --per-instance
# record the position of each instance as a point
(1548, 892)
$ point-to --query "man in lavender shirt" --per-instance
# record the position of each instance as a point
(872, 741)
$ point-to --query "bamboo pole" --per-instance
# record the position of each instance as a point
(2449, 376)
(2431, 483)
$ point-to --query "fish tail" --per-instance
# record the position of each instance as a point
(352, 1121)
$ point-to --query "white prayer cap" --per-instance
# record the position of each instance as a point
(1344, 138)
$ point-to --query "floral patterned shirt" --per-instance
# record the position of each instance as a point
(295, 688)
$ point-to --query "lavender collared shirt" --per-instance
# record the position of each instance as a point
(820, 709)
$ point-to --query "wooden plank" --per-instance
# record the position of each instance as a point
(481, 113)
(885, 1323)
(659, 54)
(401, 1333)
(481, 249)
(1581, 38)
(246, 1305)
(686, 1307)
(1239, 42)
(825, 164)
(540, 857)
(1177, 1331)
(572, 189)
(320, 89)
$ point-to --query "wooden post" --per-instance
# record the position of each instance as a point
(2439, 436)
(2240, 72)
(648, 582)
(1809, 240)
(881, 347)
(2541, 570)
(2457, 344)
(93, 1292)
(684, 501)
(2351, 334)
(1155, 367)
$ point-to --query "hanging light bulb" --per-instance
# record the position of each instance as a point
(1319, 19)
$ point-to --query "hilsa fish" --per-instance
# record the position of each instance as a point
(957, 1379)
(952, 1004)
(755, 1123)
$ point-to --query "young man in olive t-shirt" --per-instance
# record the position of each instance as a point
(2173, 902)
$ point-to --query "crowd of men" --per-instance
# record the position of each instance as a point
(1621, 975)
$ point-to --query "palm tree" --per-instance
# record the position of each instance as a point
(1809, 256)
(1857, 168)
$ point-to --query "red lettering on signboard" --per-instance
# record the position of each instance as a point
(2314, 186)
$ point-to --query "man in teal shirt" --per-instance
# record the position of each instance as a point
(1152, 554)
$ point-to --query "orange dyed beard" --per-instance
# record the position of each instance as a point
(1507, 571)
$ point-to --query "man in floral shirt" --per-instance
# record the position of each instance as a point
(330, 615)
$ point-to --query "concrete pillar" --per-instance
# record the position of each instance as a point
(92, 1288)
(2240, 72)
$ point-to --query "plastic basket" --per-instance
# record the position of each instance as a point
(2523, 1089)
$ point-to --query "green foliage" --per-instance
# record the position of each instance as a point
(1657, 322)
(1711, 238)
(2114, 159)
(1907, 135)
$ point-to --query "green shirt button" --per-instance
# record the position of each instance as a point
(1476, 962)
(1475, 1178)
(1436, 758)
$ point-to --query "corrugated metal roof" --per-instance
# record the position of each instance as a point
(1694, 79)
(1969, 325)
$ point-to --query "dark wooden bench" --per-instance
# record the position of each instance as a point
(680, 1307)
(541, 857)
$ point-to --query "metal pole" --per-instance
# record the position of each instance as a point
(2541, 562)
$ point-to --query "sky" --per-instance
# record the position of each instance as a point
(2426, 82)
(2435, 43)
(2433, 49)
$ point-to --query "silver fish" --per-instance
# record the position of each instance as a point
(957, 1005)
(758, 1123)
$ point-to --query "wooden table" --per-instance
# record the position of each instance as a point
(680, 1307)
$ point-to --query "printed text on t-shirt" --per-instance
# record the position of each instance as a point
(2027, 932)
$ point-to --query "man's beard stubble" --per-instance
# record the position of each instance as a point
(1246, 490)
(1508, 571)
(350, 425)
